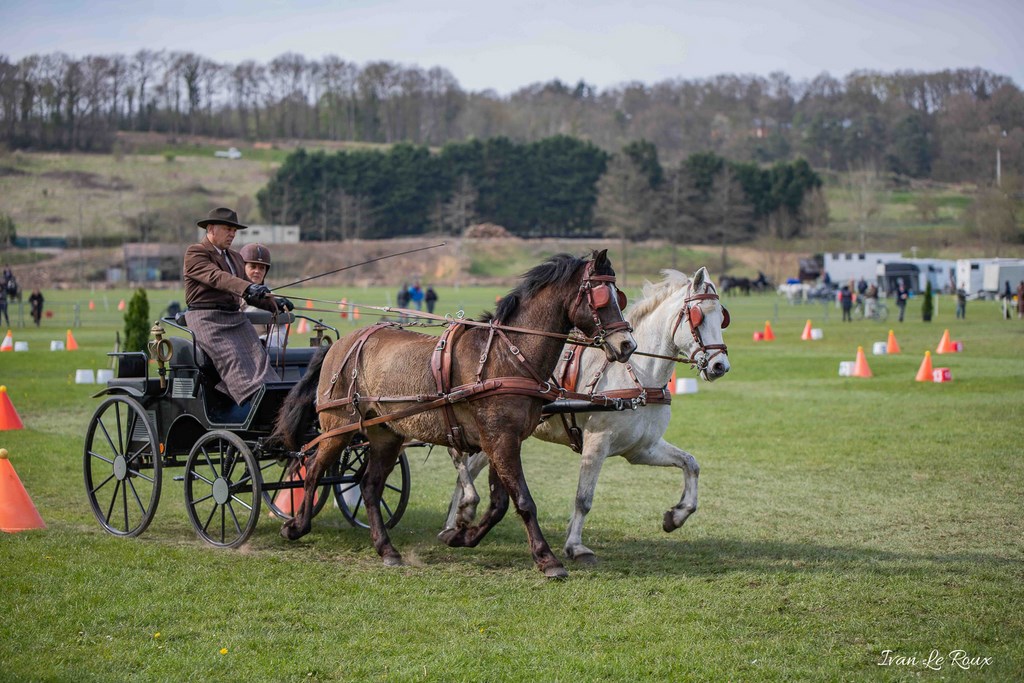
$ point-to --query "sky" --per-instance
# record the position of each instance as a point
(508, 44)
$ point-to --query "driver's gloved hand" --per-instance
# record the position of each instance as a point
(285, 304)
(254, 293)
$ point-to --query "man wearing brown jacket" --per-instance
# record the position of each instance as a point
(215, 286)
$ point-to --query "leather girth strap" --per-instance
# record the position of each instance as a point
(441, 368)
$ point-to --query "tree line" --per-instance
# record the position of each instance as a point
(559, 186)
(944, 125)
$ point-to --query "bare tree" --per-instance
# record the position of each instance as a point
(865, 188)
(625, 203)
(729, 213)
(459, 212)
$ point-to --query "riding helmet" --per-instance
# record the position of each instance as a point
(256, 253)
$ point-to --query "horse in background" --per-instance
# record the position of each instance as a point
(729, 283)
(636, 435)
(377, 380)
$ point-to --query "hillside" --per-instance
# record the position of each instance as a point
(156, 190)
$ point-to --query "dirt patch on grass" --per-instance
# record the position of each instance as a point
(90, 181)
(8, 170)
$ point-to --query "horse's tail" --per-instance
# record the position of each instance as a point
(295, 417)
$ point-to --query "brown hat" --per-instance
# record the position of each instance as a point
(256, 253)
(222, 216)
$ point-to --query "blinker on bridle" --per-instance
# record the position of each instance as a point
(598, 292)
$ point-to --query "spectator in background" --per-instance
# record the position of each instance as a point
(431, 298)
(402, 300)
(846, 303)
(871, 301)
(416, 296)
(3, 304)
(961, 302)
(862, 286)
(1020, 300)
(901, 297)
(35, 301)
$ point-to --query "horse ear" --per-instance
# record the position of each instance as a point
(700, 276)
(600, 256)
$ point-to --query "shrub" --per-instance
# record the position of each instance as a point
(926, 303)
(136, 322)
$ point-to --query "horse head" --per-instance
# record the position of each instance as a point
(597, 309)
(701, 338)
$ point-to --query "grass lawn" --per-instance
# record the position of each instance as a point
(840, 519)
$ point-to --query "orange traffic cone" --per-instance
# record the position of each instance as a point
(92, 305)
(891, 346)
(17, 512)
(355, 313)
(309, 304)
(343, 307)
(860, 367)
(120, 306)
(8, 415)
(303, 328)
(806, 336)
(924, 373)
(289, 501)
(71, 344)
(8, 343)
(945, 346)
(768, 334)
(672, 384)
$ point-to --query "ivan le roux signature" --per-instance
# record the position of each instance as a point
(935, 661)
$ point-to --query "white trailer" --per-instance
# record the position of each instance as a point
(846, 266)
(969, 274)
(995, 276)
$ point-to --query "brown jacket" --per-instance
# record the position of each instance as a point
(208, 281)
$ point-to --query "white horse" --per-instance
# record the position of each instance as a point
(677, 316)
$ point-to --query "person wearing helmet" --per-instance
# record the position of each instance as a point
(257, 263)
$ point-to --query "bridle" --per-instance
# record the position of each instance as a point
(597, 291)
(692, 313)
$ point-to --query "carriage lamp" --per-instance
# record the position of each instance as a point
(160, 349)
(318, 340)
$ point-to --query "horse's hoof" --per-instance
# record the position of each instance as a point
(587, 559)
(393, 561)
(453, 538)
(669, 523)
(289, 533)
(557, 573)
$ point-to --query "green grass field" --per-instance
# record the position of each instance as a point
(839, 518)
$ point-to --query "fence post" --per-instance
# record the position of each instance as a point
(77, 321)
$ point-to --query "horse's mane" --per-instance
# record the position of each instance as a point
(656, 292)
(557, 270)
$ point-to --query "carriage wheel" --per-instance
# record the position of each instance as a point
(349, 496)
(222, 489)
(881, 312)
(121, 466)
(284, 503)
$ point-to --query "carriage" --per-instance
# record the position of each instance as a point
(164, 414)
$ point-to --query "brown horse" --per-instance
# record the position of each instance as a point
(379, 381)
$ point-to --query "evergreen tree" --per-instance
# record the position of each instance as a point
(136, 322)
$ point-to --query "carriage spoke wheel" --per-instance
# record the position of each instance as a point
(284, 503)
(121, 466)
(349, 496)
(222, 489)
